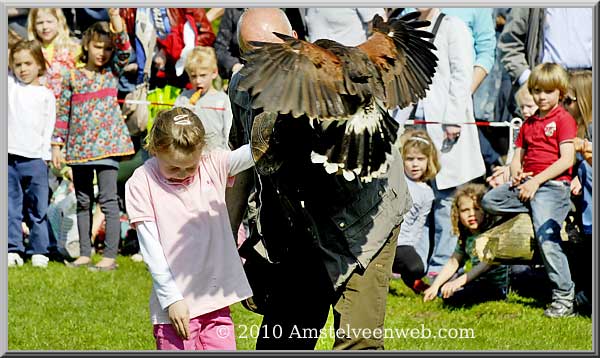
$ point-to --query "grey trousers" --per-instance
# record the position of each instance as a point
(83, 179)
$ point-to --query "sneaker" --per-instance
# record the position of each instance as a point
(38, 260)
(557, 310)
(14, 259)
(419, 286)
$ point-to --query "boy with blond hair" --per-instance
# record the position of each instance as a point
(540, 178)
(211, 106)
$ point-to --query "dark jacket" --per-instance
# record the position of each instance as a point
(346, 222)
(226, 44)
(521, 40)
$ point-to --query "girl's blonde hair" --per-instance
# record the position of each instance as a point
(420, 140)
(62, 37)
(549, 76)
(473, 191)
(580, 83)
(176, 129)
(203, 57)
(35, 49)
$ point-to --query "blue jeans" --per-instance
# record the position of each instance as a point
(584, 173)
(549, 208)
(438, 231)
(27, 194)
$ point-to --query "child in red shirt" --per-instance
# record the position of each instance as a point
(540, 178)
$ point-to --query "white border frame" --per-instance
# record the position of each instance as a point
(266, 3)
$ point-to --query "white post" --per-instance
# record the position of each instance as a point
(513, 132)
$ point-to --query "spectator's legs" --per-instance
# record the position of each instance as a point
(503, 200)
(490, 156)
(362, 302)
(109, 204)
(444, 239)
(298, 302)
(35, 172)
(15, 207)
(83, 180)
(550, 207)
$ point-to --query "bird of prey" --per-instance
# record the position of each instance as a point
(345, 92)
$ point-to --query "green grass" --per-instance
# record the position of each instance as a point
(74, 309)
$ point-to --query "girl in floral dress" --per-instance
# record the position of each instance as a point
(89, 125)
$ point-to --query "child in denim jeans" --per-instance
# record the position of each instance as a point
(540, 178)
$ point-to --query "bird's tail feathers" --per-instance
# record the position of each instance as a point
(359, 147)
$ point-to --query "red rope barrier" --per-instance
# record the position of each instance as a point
(477, 123)
(144, 102)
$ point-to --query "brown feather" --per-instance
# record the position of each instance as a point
(330, 82)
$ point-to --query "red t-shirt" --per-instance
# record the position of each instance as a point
(540, 139)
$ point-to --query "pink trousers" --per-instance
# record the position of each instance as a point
(210, 331)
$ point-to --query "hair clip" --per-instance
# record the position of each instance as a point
(419, 139)
(182, 120)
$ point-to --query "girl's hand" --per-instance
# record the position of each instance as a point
(180, 318)
(56, 157)
(113, 12)
(578, 143)
(236, 67)
(430, 293)
(115, 20)
(450, 287)
(527, 190)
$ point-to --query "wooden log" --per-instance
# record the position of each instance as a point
(510, 242)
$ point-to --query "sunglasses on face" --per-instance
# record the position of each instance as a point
(568, 100)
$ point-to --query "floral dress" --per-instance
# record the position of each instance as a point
(61, 60)
(89, 120)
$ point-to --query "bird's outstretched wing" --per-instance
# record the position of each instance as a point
(404, 58)
(294, 77)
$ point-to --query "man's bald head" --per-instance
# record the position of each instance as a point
(259, 24)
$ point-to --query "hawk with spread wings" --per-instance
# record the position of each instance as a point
(345, 92)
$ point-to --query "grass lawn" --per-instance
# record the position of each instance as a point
(74, 309)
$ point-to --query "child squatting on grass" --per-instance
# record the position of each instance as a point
(176, 201)
(484, 282)
(540, 179)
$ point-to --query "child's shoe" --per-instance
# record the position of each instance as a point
(14, 259)
(419, 286)
(40, 261)
(582, 304)
(137, 257)
(557, 310)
